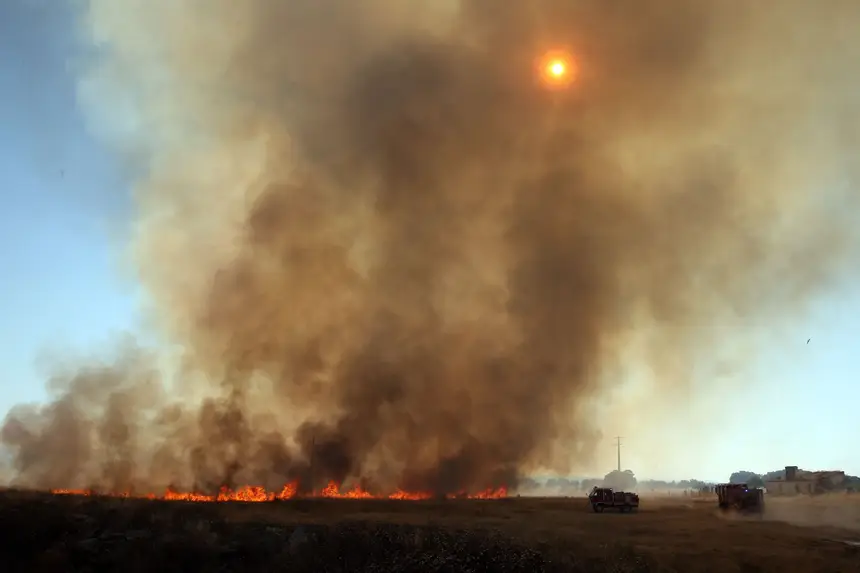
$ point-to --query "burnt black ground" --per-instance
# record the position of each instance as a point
(60, 533)
(40, 532)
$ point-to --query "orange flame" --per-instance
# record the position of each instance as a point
(289, 491)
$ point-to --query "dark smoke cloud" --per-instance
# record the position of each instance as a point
(389, 254)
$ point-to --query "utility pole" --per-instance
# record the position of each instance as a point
(618, 449)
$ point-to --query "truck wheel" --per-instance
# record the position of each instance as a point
(598, 508)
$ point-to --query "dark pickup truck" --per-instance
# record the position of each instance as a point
(602, 498)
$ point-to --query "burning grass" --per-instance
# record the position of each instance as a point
(289, 491)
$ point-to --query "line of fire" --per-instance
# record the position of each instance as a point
(289, 491)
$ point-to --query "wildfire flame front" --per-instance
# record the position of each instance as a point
(289, 491)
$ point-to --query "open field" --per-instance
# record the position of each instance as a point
(58, 533)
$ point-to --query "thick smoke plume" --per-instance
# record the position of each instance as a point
(387, 253)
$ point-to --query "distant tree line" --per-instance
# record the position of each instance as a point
(752, 479)
(626, 480)
(621, 480)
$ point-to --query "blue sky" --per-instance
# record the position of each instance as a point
(65, 205)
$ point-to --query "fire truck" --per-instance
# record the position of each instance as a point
(602, 498)
(740, 497)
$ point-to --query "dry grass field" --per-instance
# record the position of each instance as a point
(39, 532)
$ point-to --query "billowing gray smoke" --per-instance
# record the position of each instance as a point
(387, 252)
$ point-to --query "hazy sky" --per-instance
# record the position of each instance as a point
(65, 206)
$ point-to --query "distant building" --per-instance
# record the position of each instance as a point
(800, 482)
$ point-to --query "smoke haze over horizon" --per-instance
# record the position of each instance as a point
(385, 252)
